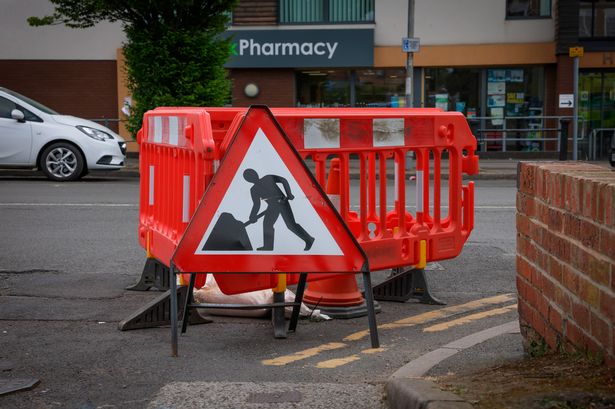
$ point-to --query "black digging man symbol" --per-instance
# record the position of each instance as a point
(230, 234)
(267, 189)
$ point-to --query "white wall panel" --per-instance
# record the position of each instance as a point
(441, 22)
(20, 41)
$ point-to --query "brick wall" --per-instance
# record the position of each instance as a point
(566, 256)
(277, 87)
(87, 89)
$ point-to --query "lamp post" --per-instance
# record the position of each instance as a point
(409, 62)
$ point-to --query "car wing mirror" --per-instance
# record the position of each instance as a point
(17, 115)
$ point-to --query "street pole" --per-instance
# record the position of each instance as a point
(409, 62)
(575, 109)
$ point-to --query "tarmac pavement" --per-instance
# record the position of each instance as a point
(407, 388)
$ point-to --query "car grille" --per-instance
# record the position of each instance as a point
(122, 147)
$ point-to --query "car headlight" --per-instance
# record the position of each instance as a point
(94, 133)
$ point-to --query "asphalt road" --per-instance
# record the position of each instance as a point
(68, 250)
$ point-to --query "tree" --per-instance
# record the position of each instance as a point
(174, 51)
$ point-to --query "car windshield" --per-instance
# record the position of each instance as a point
(32, 102)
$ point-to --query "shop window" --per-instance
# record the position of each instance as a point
(380, 88)
(515, 98)
(323, 88)
(326, 11)
(523, 9)
(597, 19)
(453, 89)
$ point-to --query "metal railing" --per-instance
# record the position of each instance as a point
(593, 139)
(527, 133)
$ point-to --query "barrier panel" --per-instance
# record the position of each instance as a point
(429, 213)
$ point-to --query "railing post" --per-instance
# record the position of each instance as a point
(563, 139)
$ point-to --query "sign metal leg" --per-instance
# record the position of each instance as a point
(187, 302)
(292, 327)
(173, 310)
(371, 313)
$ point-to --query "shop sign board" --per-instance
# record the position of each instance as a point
(301, 48)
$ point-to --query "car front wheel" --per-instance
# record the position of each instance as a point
(62, 162)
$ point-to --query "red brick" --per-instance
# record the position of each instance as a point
(580, 315)
(542, 305)
(563, 300)
(573, 192)
(526, 204)
(557, 245)
(523, 268)
(588, 292)
(572, 225)
(526, 312)
(598, 270)
(607, 243)
(548, 288)
(575, 335)
(589, 206)
(542, 212)
(540, 188)
(526, 248)
(607, 305)
(523, 224)
(555, 219)
(551, 337)
(571, 279)
(555, 319)
(589, 235)
(527, 178)
(539, 324)
(555, 269)
(555, 188)
(537, 232)
(600, 330)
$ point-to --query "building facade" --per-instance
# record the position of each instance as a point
(503, 63)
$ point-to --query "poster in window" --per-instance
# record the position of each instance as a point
(442, 101)
(497, 115)
(514, 75)
(496, 87)
(515, 97)
(496, 100)
(496, 75)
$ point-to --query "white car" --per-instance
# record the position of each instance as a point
(63, 147)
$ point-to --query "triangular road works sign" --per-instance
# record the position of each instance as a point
(264, 212)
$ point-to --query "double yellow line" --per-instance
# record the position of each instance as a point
(419, 319)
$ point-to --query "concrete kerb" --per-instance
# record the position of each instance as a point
(406, 389)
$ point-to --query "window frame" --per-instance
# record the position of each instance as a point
(593, 22)
(537, 17)
(326, 18)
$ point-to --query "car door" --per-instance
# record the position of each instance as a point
(15, 136)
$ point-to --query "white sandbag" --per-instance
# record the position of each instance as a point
(211, 293)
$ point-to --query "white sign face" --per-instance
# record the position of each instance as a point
(264, 211)
(410, 45)
(566, 100)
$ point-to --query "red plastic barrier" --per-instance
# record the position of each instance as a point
(408, 145)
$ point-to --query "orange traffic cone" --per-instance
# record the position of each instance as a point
(338, 297)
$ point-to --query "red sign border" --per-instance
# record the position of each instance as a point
(354, 258)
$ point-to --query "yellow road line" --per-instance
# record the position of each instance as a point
(434, 315)
(307, 353)
(334, 363)
(469, 318)
(405, 322)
